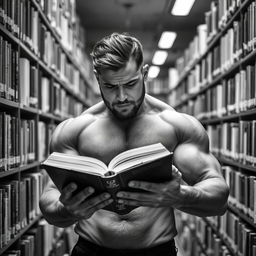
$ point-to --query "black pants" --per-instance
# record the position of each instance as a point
(86, 248)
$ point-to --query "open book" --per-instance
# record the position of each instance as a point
(152, 163)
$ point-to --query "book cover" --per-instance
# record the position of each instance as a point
(142, 164)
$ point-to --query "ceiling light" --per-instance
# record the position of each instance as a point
(167, 39)
(159, 57)
(182, 7)
(153, 71)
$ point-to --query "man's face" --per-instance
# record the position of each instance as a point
(123, 91)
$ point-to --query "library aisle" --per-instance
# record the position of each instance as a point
(206, 68)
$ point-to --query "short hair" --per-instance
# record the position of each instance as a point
(114, 51)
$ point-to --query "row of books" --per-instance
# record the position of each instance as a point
(235, 94)
(45, 131)
(237, 42)
(14, 70)
(219, 15)
(209, 241)
(56, 100)
(17, 141)
(41, 240)
(223, 235)
(196, 238)
(62, 17)
(239, 235)
(9, 64)
(25, 20)
(27, 141)
(9, 141)
(234, 140)
(39, 91)
(196, 48)
(75, 73)
(225, 11)
(242, 191)
(157, 86)
(19, 204)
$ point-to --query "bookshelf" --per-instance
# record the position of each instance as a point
(45, 77)
(216, 84)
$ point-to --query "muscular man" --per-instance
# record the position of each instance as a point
(128, 118)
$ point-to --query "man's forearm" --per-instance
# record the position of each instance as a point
(54, 211)
(201, 201)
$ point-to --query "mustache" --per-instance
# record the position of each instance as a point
(122, 102)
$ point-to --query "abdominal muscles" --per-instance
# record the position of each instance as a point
(143, 227)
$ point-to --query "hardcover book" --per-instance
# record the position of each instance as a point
(152, 163)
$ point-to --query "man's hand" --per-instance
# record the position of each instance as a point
(166, 194)
(79, 206)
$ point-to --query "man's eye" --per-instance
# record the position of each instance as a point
(130, 85)
(109, 86)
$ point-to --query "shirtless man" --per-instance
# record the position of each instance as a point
(128, 118)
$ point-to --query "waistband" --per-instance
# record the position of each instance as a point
(83, 243)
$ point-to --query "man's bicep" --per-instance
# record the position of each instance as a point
(195, 163)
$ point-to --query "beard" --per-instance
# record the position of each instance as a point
(123, 115)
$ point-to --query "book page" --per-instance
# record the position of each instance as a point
(137, 156)
(77, 163)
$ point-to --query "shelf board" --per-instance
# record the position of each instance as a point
(11, 37)
(8, 103)
(9, 172)
(234, 163)
(243, 216)
(24, 230)
(30, 110)
(28, 52)
(29, 166)
(223, 239)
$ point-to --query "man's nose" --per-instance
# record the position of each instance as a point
(121, 93)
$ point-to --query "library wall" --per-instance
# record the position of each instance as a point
(217, 84)
(45, 77)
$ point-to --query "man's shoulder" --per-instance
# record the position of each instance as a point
(187, 127)
(83, 120)
(96, 110)
(73, 126)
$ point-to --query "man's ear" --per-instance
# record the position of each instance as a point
(145, 71)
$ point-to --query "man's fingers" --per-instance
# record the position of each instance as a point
(67, 192)
(148, 186)
(87, 208)
(81, 196)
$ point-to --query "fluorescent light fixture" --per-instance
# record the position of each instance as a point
(153, 71)
(182, 7)
(159, 57)
(167, 39)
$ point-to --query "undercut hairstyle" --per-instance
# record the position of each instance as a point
(114, 51)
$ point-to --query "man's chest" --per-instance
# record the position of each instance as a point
(104, 139)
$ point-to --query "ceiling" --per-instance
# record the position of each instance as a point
(144, 19)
